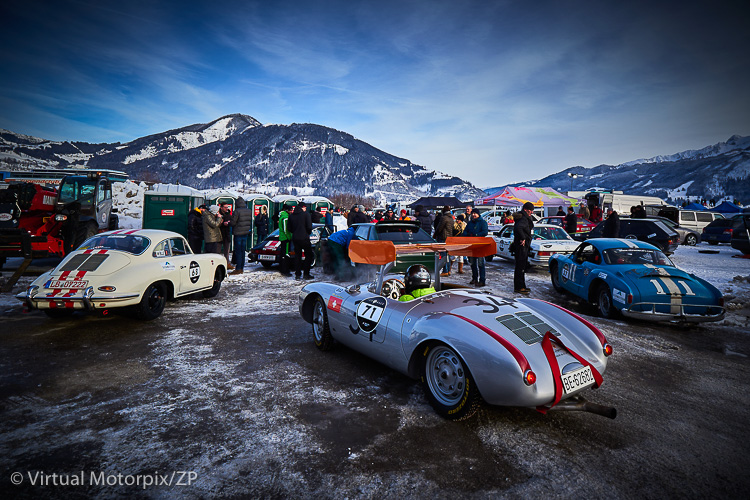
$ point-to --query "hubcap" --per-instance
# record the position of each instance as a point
(318, 322)
(445, 376)
(154, 299)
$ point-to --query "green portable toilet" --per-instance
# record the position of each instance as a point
(319, 203)
(278, 203)
(168, 207)
(255, 202)
(217, 197)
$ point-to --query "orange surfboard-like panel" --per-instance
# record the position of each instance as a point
(383, 252)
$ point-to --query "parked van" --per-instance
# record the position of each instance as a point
(697, 219)
(618, 201)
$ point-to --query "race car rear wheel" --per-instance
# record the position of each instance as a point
(554, 270)
(448, 384)
(214, 290)
(153, 302)
(321, 331)
(604, 302)
(691, 240)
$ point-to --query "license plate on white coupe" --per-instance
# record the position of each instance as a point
(266, 257)
(68, 284)
(577, 380)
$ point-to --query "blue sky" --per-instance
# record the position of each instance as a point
(491, 91)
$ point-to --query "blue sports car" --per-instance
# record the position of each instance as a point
(635, 279)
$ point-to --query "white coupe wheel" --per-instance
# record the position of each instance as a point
(448, 384)
(153, 302)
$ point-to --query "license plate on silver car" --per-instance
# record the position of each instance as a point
(577, 380)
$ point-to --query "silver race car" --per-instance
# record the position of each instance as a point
(464, 344)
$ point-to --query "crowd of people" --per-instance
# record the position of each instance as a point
(213, 227)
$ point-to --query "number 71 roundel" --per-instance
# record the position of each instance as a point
(369, 312)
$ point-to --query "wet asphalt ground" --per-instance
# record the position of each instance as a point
(229, 397)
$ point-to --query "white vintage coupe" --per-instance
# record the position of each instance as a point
(549, 239)
(139, 269)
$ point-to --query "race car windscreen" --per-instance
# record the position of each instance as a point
(129, 243)
(550, 233)
(615, 256)
(404, 234)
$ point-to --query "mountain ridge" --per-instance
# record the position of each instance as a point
(238, 151)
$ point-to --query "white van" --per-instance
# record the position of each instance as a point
(619, 202)
(697, 219)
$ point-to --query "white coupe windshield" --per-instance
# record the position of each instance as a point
(550, 233)
(124, 242)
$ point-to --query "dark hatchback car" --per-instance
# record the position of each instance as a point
(741, 237)
(400, 233)
(649, 230)
(721, 230)
(268, 251)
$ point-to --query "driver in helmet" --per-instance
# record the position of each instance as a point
(417, 283)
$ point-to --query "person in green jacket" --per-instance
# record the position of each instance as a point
(417, 283)
(285, 237)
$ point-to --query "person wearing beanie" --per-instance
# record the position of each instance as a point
(212, 229)
(404, 216)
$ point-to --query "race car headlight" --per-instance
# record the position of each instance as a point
(61, 217)
(607, 349)
(529, 377)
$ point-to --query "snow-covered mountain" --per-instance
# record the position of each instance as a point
(714, 172)
(237, 151)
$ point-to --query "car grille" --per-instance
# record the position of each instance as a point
(529, 328)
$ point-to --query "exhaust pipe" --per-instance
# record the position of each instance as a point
(580, 404)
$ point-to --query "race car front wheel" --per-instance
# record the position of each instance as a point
(321, 331)
(153, 302)
(554, 270)
(448, 384)
(606, 309)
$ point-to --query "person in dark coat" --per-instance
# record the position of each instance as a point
(476, 226)
(241, 223)
(571, 221)
(316, 216)
(195, 228)
(424, 218)
(261, 223)
(225, 210)
(639, 212)
(300, 225)
(356, 216)
(522, 235)
(329, 220)
(560, 212)
(444, 229)
(611, 227)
